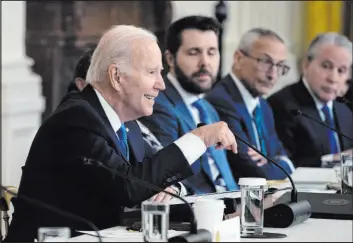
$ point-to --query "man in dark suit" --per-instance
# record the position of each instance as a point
(193, 58)
(124, 78)
(79, 79)
(325, 70)
(152, 145)
(258, 62)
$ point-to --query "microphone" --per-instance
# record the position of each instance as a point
(295, 112)
(282, 215)
(194, 235)
(55, 210)
(344, 100)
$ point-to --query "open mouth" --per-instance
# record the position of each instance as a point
(150, 97)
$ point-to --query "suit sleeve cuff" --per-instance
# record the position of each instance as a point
(191, 146)
(289, 162)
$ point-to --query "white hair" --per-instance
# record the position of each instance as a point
(115, 48)
(328, 38)
(247, 40)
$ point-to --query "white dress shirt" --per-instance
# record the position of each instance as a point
(190, 145)
(188, 99)
(328, 157)
(250, 103)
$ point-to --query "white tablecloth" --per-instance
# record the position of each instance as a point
(323, 230)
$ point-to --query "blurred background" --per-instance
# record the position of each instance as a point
(42, 41)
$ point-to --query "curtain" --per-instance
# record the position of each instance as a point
(322, 16)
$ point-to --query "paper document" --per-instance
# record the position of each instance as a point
(194, 198)
(314, 175)
(121, 234)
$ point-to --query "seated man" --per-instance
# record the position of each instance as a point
(79, 80)
(258, 62)
(325, 70)
(193, 58)
(124, 78)
(152, 145)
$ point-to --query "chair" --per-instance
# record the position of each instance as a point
(5, 206)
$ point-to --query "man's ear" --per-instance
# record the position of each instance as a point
(169, 58)
(114, 77)
(305, 64)
(237, 58)
(80, 83)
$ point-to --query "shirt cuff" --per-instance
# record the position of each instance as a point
(191, 146)
(288, 161)
(183, 190)
(326, 159)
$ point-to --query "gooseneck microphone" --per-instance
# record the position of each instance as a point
(194, 235)
(282, 215)
(55, 210)
(296, 112)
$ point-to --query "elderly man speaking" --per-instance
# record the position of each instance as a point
(123, 79)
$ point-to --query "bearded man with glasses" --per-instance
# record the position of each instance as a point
(258, 62)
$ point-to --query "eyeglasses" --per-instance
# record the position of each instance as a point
(265, 64)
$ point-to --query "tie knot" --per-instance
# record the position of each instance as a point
(203, 111)
(198, 104)
(122, 132)
(257, 111)
(325, 108)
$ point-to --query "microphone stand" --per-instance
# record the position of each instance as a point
(299, 113)
(56, 210)
(282, 215)
(195, 235)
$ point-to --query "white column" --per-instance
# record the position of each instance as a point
(22, 102)
(283, 17)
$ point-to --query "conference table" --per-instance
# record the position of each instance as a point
(312, 230)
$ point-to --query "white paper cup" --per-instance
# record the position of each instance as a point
(209, 213)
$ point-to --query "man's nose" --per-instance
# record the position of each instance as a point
(204, 60)
(160, 85)
(272, 73)
(333, 76)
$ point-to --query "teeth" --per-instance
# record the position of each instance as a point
(149, 97)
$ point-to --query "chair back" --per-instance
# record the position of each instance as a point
(5, 203)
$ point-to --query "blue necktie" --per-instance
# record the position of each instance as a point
(258, 119)
(122, 142)
(331, 135)
(218, 155)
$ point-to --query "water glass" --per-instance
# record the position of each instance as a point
(54, 234)
(155, 221)
(252, 205)
(346, 173)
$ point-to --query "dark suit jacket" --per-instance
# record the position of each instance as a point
(170, 120)
(227, 100)
(349, 94)
(55, 174)
(304, 139)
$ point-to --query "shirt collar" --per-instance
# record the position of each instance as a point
(318, 103)
(109, 112)
(250, 101)
(187, 97)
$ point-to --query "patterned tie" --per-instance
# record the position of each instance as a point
(258, 119)
(331, 135)
(218, 155)
(122, 142)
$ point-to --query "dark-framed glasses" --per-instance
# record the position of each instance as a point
(266, 64)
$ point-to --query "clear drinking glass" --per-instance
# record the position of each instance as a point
(54, 234)
(252, 205)
(346, 173)
(155, 221)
